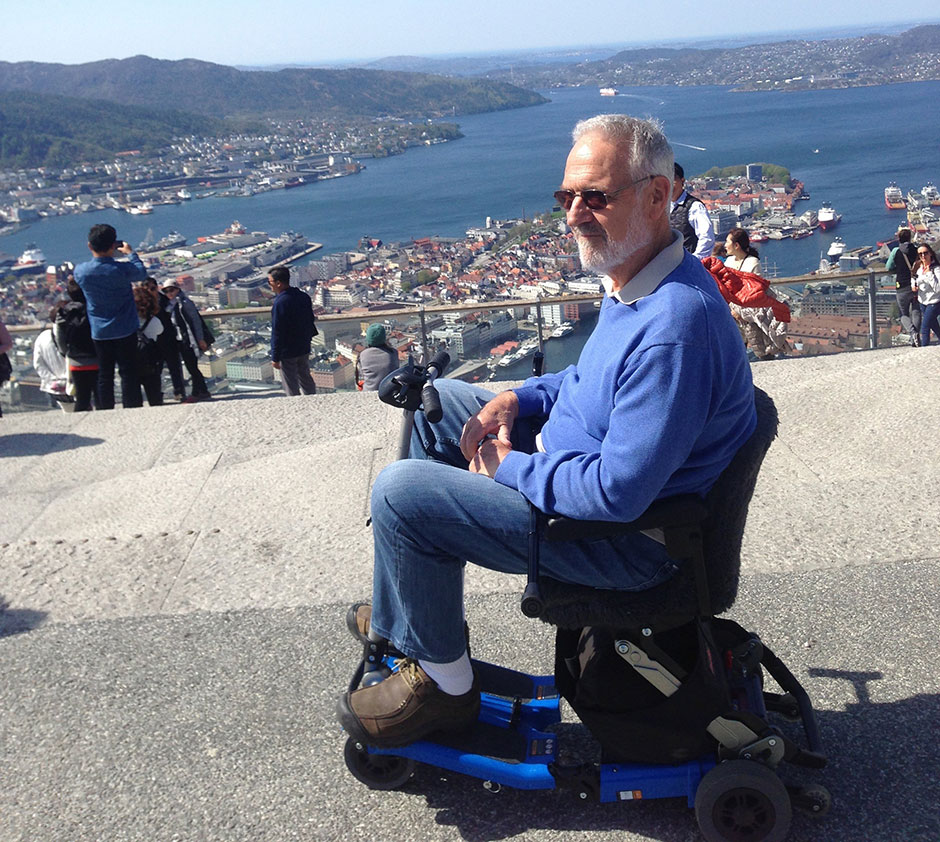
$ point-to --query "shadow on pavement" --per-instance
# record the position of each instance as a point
(18, 620)
(39, 444)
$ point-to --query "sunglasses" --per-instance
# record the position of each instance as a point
(594, 199)
(923, 253)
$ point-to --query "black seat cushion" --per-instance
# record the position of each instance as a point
(675, 601)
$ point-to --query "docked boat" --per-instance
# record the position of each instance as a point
(184, 194)
(827, 217)
(609, 92)
(835, 249)
(170, 241)
(916, 221)
(800, 233)
(137, 210)
(894, 199)
(294, 182)
(931, 194)
(916, 200)
(31, 261)
(564, 329)
(757, 236)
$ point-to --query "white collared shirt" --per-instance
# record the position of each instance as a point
(701, 222)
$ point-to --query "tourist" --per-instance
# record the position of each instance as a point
(741, 254)
(149, 358)
(190, 340)
(50, 365)
(292, 329)
(658, 403)
(928, 292)
(689, 216)
(73, 339)
(6, 368)
(902, 263)
(166, 340)
(376, 360)
(112, 313)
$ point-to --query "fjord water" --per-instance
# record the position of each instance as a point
(509, 162)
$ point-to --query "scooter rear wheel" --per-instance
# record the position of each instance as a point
(376, 771)
(742, 801)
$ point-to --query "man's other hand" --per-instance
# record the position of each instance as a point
(497, 416)
(277, 365)
(126, 248)
(203, 345)
(489, 457)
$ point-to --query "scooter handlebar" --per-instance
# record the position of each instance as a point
(438, 364)
(431, 402)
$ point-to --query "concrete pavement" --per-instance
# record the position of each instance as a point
(174, 580)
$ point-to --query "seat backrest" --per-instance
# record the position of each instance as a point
(728, 500)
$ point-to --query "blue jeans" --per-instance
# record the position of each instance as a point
(430, 515)
(929, 322)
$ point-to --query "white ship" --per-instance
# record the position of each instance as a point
(836, 249)
(827, 217)
(564, 329)
(609, 92)
(184, 194)
(931, 194)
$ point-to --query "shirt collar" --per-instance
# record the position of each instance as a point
(679, 200)
(650, 276)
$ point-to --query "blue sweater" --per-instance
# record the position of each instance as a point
(658, 404)
(106, 283)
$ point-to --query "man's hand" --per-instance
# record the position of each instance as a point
(497, 416)
(204, 346)
(126, 249)
(277, 365)
(489, 457)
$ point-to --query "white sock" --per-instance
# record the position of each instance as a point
(454, 678)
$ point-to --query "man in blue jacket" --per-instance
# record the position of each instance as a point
(292, 328)
(659, 402)
(112, 313)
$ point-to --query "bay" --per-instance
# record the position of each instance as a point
(509, 162)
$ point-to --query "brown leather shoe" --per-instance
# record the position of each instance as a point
(406, 707)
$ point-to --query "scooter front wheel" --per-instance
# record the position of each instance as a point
(376, 771)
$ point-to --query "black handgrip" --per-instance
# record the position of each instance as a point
(532, 604)
(439, 363)
(431, 402)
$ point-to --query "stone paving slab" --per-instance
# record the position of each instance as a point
(220, 726)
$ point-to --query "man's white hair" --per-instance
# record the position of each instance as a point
(645, 148)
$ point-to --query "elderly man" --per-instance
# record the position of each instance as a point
(658, 403)
(690, 217)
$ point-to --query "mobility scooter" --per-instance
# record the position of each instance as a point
(674, 694)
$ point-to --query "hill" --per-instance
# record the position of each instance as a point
(218, 91)
(57, 131)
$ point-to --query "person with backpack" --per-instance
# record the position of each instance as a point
(72, 334)
(191, 337)
(166, 340)
(902, 263)
(149, 358)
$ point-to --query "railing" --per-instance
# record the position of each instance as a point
(420, 316)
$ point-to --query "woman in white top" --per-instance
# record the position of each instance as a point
(763, 333)
(741, 254)
(927, 284)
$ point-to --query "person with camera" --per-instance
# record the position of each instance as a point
(112, 313)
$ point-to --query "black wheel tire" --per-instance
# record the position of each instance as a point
(377, 771)
(813, 800)
(742, 801)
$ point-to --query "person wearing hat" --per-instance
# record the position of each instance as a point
(376, 360)
(189, 336)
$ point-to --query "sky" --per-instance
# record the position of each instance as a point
(267, 32)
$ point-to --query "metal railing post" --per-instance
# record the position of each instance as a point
(872, 318)
(538, 363)
(424, 335)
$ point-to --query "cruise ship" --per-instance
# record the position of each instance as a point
(894, 199)
(827, 217)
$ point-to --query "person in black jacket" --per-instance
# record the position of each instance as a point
(190, 340)
(903, 264)
(166, 341)
(292, 328)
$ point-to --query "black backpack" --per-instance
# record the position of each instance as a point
(74, 331)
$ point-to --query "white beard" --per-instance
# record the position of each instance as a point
(611, 253)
